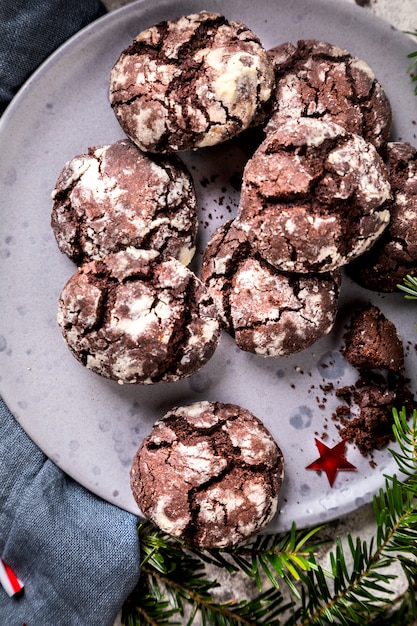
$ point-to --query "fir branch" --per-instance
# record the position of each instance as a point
(172, 570)
(357, 591)
(196, 591)
(403, 611)
(274, 556)
(406, 436)
(352, 600)
(409, 286)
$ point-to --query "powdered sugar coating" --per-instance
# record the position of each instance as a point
(134, 317)
(394, 255)
(190, 82)
(268, 312)
(115, 196)
(314, 196)
(208, 472)
(318, 79)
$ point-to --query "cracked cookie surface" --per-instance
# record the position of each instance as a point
(115, 196)
(190, 82)
(317, 79)
(208, 472)
(268, 312)
(134, 317)
(394, 255)
(314, 196)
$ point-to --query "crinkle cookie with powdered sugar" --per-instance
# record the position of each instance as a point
(268, 312)
(314, 196)
(394, 255)
(115, 196)
(209, 473)
(135, 317)
(191, 82)
(317, 79)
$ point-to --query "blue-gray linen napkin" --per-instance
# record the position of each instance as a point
(30, 30)
(77, 555)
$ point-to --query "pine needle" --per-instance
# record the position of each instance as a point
(409, 285)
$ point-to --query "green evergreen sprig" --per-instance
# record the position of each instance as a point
(409, 286)
(293, 589)
(276, 557)
(173, 574)
(362, 593)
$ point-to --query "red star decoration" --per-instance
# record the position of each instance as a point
(331, 460)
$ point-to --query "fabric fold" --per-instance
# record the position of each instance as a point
(31, 31)
(77, 555)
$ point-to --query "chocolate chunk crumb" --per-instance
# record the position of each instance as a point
(372, 341)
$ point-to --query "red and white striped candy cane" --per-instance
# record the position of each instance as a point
(8, 579)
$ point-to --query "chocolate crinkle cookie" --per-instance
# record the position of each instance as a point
(209, 473)
(191, 82)
(268, 312)
(317, 79)
(115, 196)
(372, 341)
(314, 196)
(135, 317)
(394, 255)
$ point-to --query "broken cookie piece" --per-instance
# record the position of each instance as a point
(268, 312)
(209, 473)
(314, 196)
(190, 82)
(115, 196)
(367, 419)
(373, 346)
(135, 317)
(318, 79)
(372, 342)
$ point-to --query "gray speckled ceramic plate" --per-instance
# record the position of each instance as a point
(91, 427)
